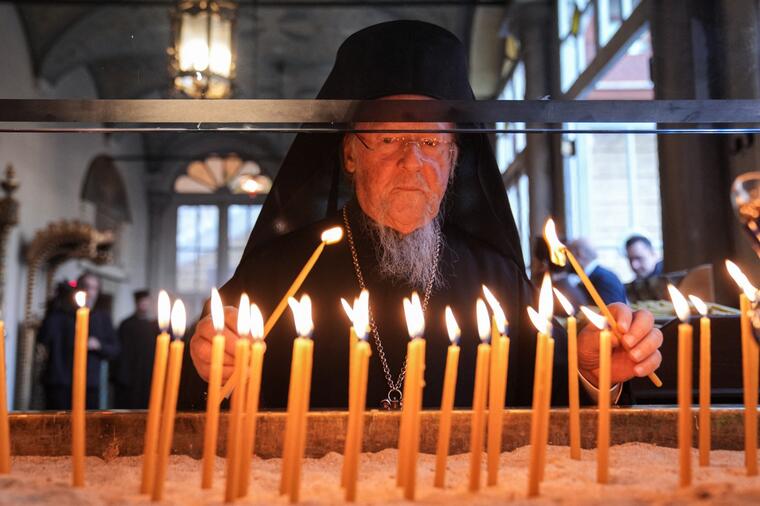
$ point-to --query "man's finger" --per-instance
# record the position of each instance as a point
(622, 314)
(648, 365)
(646, 346)
(641, 326)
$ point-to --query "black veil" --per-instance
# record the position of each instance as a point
(397, 57)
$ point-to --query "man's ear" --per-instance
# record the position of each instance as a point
(349, 163)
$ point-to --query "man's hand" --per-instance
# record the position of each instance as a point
(200, 344)
(641, 338)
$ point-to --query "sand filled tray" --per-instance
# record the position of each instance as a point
(643, 458)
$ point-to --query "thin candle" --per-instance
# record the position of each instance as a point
(214, 386)
(234, 429)
(156, 394)
(176, 349)
(258, 348)
(546, 310)
(497, 385)
(5, 431)
(447, 398)
(705, 429)
(681, 307)
(603, 426)
(560, 254)
(361, 310)
(409, 437)
(298, 399)
(78, 386)
(749, 367)
(574, 411)
(477, 425)
(360, 318)
(539, 384)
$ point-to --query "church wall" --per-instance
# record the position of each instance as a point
(50, 169)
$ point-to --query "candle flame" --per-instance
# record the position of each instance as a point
(541, 324)
(361, 315)
(680, 304)
(164, 310)
(244, 316)
(741, 279)
(484, 326)
(451, 326)
(302, 315)
(557, 250)
(81, 298)
(699, 304)
(498, 312)
(179, 319)
(217, 311)
(569, 309)
(358, 314)
(348, 309)
(546, 299)
(415, 319)
(332, 235)
(257, 323)
(595, 318)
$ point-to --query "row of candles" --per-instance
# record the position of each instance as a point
(489, 390)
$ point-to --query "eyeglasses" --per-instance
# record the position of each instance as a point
(430, 147)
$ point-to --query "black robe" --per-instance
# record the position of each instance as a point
(134, 368)
(466, 264)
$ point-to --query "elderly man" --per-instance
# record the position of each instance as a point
(643, 258)
(607, 283)
(421, 211)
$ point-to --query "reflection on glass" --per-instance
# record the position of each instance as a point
(197, 244)
(745, 194)
(241, 220)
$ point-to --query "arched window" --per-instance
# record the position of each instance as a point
(218, 202)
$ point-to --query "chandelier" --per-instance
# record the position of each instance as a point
(203, 54)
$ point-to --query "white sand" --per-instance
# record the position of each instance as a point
(640, 474)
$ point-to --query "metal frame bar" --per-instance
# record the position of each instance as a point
(331, 114)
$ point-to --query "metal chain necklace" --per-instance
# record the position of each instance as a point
(394, 400)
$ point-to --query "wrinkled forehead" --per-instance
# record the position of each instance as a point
(435, 128)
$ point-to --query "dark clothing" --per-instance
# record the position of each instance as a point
(134, 368)
(608, 285)
(658, 269)
(466, 263)
(57, 334)
(59, 397)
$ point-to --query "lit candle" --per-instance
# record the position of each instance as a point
(156, 394)
(78, 389)
(572, 376)
(684, 384)
(330, 236)
(538, 404)
(546, 311)
(214, 386)
(298, 399)
(560, 254)
(258, 348)
(603, 425)
(477, 425)
(705, 361)
(361, 350)
(409, 434)
(234, 429)
(359, 304)
(447, 398)
(749, 367)
(5, 432)
(173, 374)
(497, 385)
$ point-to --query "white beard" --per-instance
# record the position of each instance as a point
(408, 258)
